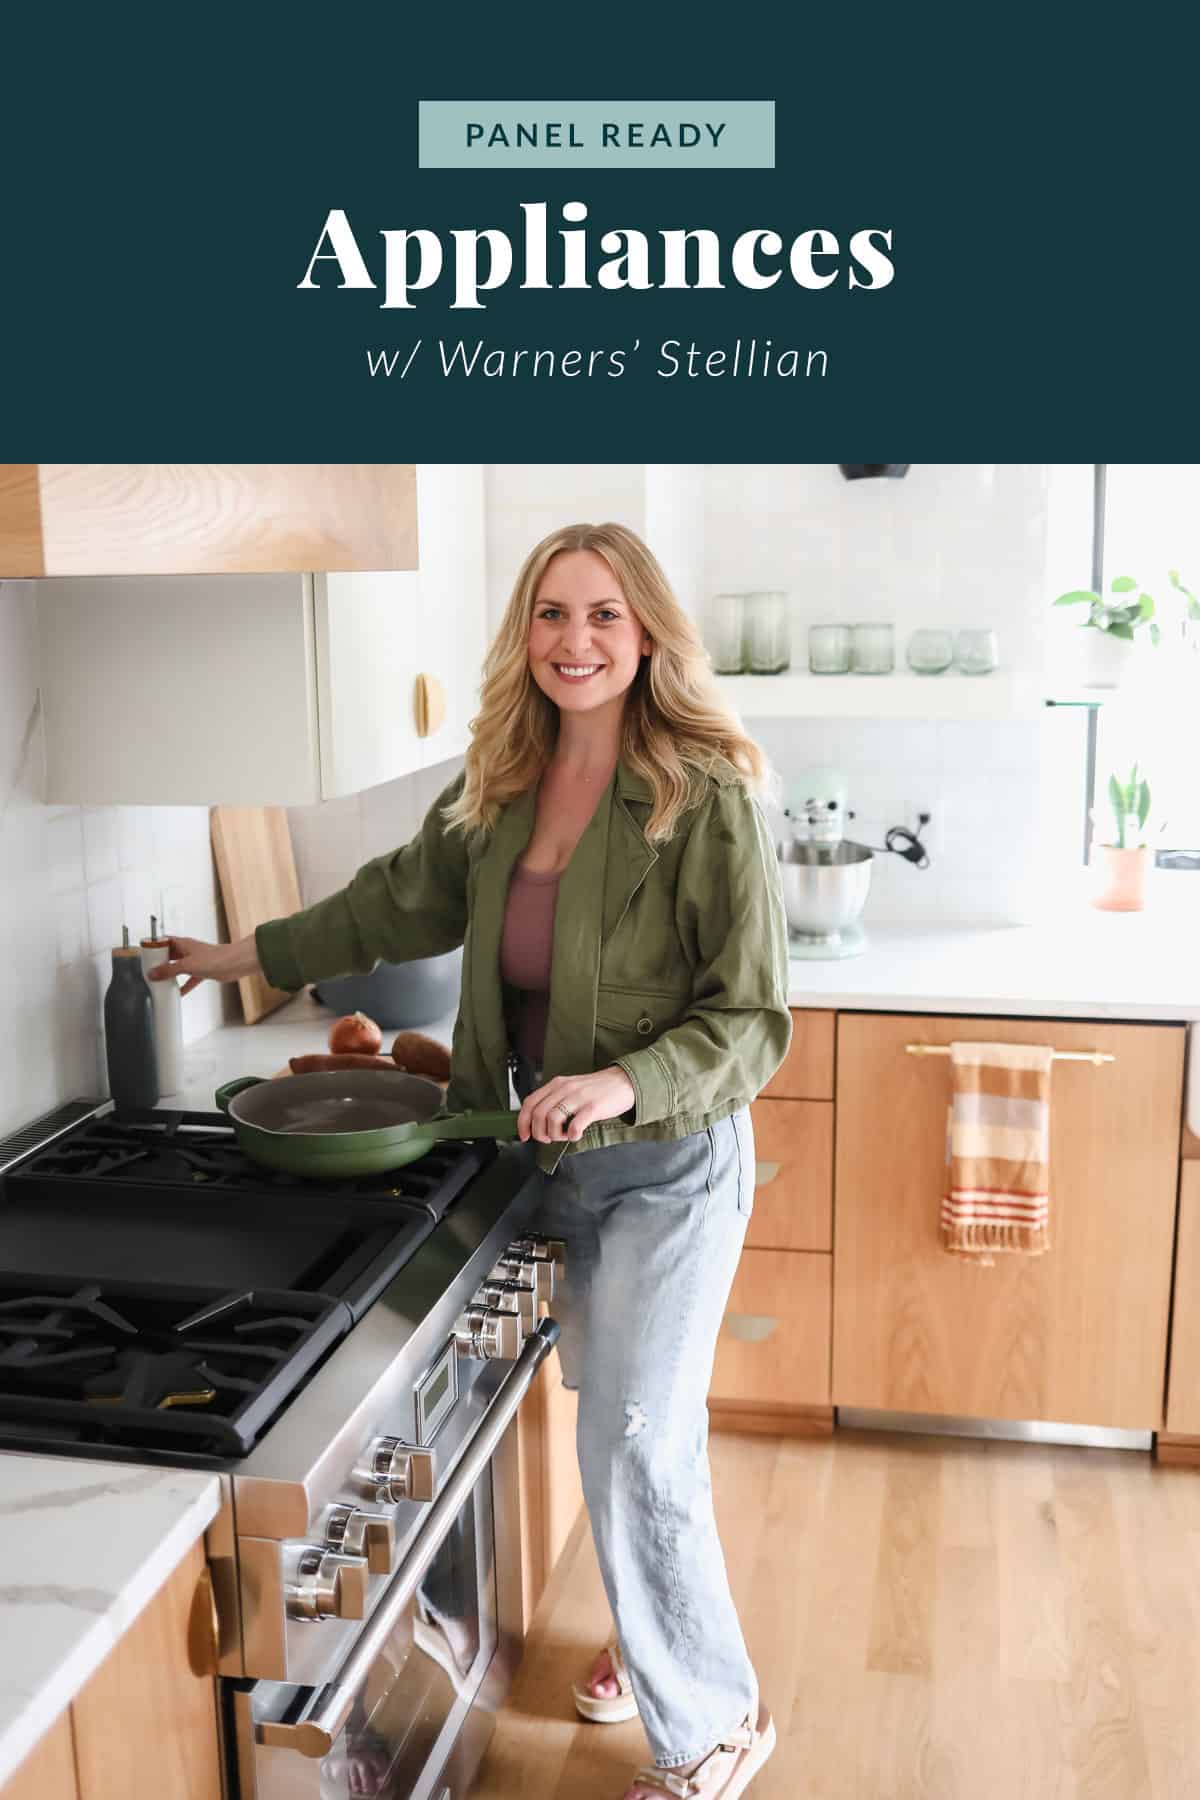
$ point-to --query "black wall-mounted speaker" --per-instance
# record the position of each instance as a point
(861, 471)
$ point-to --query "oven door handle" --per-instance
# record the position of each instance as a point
(316, 1733)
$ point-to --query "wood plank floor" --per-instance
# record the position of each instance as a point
(931, 1619)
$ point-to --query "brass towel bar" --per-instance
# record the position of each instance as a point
(1092, 1056)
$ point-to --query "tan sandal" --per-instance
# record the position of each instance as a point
(726, 1771)
(608, 1709)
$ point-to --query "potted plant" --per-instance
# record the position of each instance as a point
(1122, 866)
(1112, 627)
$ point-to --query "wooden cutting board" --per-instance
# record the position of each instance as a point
(257, 871)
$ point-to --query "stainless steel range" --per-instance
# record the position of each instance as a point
(350, 1359)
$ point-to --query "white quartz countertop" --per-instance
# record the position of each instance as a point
(299, 1027)
(83, 1547)
(1085, 964)
(1080, 964)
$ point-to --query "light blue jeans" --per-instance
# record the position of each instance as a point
(653, 1234)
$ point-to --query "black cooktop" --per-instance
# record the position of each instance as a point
(152, 1195)
(160, 1290)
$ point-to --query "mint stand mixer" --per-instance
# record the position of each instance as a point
(826, 877)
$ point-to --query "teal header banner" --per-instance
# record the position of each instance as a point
(597, 134)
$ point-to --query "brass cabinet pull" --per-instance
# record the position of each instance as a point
(430, 704)
(203, 1628)
(1092, 1056)
(751, 1328)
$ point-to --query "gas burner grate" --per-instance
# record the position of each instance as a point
(156, 1368)
(200, 1150)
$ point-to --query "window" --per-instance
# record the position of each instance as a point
(1150, 525)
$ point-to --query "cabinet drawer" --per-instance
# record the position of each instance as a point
(774, 1342)
(793, 1193)
(1183, 1401)
(807, 1070)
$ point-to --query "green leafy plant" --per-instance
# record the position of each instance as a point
(1120, 618)
(1191, 604)
(1130, 801)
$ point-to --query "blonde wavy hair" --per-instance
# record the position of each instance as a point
(676, 729)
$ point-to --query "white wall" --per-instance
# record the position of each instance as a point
(330, 841)
(527, 501)
(950, 545)
(69, 878)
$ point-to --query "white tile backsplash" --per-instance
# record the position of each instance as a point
(70, 877)
(333, 840)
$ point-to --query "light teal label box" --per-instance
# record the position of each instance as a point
(597, 134)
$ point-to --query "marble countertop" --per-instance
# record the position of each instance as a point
(83, 1547)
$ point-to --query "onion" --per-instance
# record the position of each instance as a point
(356, 1033)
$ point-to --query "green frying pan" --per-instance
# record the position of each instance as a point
(355, 1122)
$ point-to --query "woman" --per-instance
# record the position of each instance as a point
(603, 862)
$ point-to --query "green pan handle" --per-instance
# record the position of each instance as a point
(225, 1094)
(474, 1125)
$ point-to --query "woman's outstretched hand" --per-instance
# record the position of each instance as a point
(208, 962)
(562, 1110)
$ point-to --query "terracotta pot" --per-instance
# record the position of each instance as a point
(1121, 877)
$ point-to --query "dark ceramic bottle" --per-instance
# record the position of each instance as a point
(129, 1032)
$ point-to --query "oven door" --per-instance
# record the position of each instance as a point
(412, 1707)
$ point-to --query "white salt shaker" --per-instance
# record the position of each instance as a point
(168, 1014)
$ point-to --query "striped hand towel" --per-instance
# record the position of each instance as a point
(997, 1151)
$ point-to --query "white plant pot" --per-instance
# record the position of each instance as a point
(1106, 659)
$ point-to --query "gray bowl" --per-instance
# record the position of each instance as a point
(398, 995)
(824, 887)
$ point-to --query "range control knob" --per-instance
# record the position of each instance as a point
(329, 1586)
(489, 1336)
(539, 1248)
(518, 1297)
(354, 1532)
(400, 1472)
(535, 1271)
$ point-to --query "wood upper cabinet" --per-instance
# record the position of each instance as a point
(145, 1725)
(205, 518)
(1076, 1335)
(277, 689)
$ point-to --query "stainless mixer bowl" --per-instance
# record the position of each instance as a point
(824, 887)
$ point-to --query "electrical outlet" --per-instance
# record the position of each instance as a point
(932, 831)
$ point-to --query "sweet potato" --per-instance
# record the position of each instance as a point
(346, 1059)
(421, 1055)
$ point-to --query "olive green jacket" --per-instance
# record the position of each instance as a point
(669, 960)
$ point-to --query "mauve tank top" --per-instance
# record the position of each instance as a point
(526, 952)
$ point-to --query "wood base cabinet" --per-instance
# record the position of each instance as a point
(1077, 1335)
(773, 1350)
(145, 1725)
(1183, 1393)
(551, 1492)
